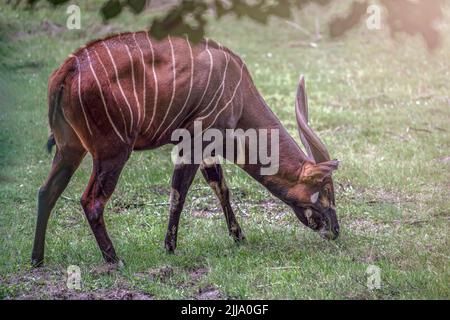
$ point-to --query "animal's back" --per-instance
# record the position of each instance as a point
(133, 89)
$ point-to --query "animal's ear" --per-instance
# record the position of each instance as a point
(315, 173)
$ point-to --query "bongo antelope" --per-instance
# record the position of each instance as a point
(130, 92)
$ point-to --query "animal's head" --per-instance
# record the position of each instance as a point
(312, 196)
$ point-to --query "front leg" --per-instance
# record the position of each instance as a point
(182, 178)
(213, 174)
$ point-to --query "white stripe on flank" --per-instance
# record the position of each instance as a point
(143, 80)
(120, 86)
(138, 105)
(211, 65)
(174, 86)
(155, 78)
(190, 88)
(112, 92)
(79, 96)
(230, 101)
(221, 86)
(103, 98)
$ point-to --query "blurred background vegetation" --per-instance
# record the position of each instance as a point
(188, 16)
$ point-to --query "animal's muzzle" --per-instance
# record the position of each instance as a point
(330, 233)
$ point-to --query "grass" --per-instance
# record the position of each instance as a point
(382, 107)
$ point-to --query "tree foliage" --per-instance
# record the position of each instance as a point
(188, 16)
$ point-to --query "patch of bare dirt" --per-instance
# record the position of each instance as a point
(196, 274)
(209, 292)
(43, 283)
(203, 292)
(115, 294)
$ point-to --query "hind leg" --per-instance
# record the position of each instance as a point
(105, 174)
(65, 162)
(213, 174)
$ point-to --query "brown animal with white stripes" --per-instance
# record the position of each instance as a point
(130, 92)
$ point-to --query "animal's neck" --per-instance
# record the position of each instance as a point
(256, 114)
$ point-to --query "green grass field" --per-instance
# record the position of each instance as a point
(381, 107)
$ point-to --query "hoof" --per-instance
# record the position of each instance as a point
(238, 237)
(37, 263)
(170, 249)
(170, 243)
(115, 262)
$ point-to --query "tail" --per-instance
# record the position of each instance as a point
(55, 94)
